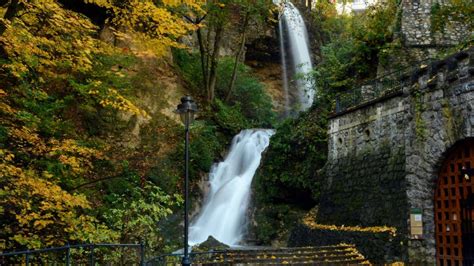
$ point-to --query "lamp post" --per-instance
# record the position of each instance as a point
(186, 110)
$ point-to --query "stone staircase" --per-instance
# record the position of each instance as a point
(342, 254)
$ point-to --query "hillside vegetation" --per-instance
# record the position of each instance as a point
(89, 148)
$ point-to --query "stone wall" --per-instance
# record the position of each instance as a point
(416, 26)
(384, 156)
(441, 113)
(365, 172)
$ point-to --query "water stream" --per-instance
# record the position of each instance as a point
(224, 211)
(296, 59)
(285, 71)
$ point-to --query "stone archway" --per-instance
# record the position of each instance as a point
(454, 207)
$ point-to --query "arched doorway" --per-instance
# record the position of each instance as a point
(454, 207)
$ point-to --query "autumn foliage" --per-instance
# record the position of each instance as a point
(48, 85)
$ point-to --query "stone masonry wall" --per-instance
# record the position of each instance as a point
(365, 172)
(416, 26)
(441, 113)
(384, 156)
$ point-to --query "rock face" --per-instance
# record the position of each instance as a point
(385, 154)
(210, 244)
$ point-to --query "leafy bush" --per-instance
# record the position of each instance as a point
(297, 151)
(229, 118)
(249, 94)
(352, 46)
(136, 218)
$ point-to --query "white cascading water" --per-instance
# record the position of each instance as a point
(224, 212)
(225, 208)
(293, 30)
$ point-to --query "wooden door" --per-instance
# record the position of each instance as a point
(454, 207)
(467, 209)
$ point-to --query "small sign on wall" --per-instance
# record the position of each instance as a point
(416, 223)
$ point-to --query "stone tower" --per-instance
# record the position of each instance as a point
(417, 33)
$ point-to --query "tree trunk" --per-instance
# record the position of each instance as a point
(208, 49)
(238, 56)
(214, 62)
(202, 51)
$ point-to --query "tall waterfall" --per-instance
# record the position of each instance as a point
(224, 210)
(294, 47)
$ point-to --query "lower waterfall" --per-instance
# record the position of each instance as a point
(224, 211)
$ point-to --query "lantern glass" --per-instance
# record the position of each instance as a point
(186, 110)
(187, 117)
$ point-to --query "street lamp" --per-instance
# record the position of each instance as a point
(186, 110)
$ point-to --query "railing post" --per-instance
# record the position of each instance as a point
(91, 258)
(142, 254)
(27, 258)
(68, 255)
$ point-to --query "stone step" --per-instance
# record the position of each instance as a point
(270, 249)
(309, 262)
(342, 254)
(293, 263)
(325, 255)
(288, 250)
(296, 260)
(289, 255)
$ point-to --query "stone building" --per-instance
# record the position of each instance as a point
(419, 39)
(416, 26)
(401, 155)
(405, 160)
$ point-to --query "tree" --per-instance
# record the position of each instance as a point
(48, 84)
(214, 17)
(249, 10)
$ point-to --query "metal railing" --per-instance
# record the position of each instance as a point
(381, 86)
(80, 254)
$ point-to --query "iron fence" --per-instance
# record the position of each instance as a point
(381, 86)
(94, 254)
(80, 254)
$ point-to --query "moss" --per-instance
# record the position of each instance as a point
(449, 119)
(420, 124)
(362, 185)
(275, 222)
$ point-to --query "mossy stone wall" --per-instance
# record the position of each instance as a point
(384, 156)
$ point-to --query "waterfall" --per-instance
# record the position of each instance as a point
(285, 72)
(294, 47)
(224, 211)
